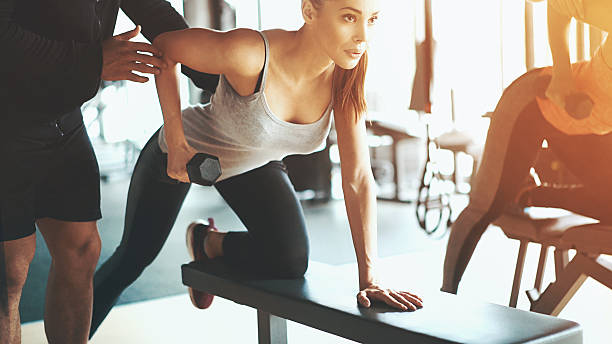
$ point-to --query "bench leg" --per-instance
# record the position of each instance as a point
(271, 329)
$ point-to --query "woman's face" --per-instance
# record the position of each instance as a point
(344, 28)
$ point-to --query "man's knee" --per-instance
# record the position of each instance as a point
(80, 257)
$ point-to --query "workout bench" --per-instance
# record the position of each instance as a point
(590, 240)
(325, 300)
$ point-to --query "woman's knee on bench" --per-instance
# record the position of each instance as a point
(288, 263)
(285, 248)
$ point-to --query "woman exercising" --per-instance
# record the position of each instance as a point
(275, 97)
(530, 111)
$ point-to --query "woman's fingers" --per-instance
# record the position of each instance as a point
(403, 300)
(397, 299)
(178, 175)
(412, 295)
(178, 170)
(413, 299)
(387, 298)
(363, 300)
(178, 157)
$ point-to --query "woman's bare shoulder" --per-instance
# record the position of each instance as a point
(246, 46)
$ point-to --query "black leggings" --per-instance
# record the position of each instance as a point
(275, 245)
(586, 156)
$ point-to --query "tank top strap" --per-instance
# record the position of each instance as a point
(266, 61)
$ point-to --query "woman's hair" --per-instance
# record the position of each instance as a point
(349, 84)
(349, 88)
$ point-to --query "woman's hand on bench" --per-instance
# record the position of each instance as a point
(398, 299)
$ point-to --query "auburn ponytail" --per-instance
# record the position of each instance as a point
(349, 89)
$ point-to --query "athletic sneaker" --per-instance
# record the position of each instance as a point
(196, 233)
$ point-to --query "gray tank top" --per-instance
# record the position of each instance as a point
(243, 132)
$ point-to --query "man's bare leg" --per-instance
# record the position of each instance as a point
(15, 258)
(75, 249)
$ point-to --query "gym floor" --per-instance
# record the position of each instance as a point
(156, 309)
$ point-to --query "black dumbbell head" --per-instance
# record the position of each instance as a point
(204, 169)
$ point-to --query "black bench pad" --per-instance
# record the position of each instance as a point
(325, 299)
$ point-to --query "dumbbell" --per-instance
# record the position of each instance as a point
(578, 105)
(203, 169)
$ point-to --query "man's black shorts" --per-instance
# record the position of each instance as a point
(48, 171)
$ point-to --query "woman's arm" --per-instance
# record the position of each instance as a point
(179, 152)
(239, 54)
(360, 201)
(359, 194)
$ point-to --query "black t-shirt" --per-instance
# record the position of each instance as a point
(51, 53)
